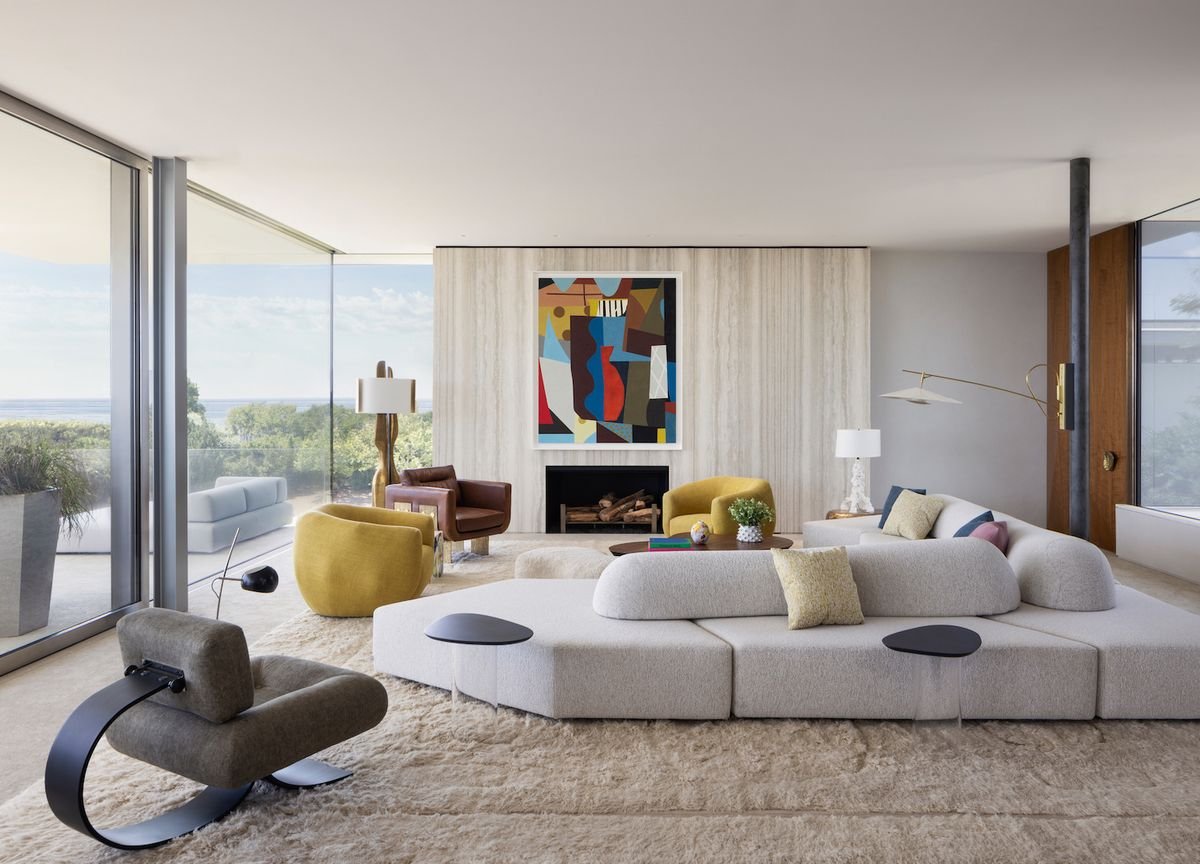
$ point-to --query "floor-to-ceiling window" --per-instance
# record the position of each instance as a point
(383, 310)
(1169, 382)
(258, 360)
(69, 387)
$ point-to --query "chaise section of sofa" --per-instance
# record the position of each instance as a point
(578, 663)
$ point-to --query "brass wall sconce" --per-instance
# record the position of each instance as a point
(1064, 392)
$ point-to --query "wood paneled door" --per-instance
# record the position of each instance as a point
(1112, 299)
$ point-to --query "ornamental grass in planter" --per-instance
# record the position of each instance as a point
(42, 485)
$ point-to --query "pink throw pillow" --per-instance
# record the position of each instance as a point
(995, 533)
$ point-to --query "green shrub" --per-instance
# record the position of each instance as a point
(35, 465)
(750, 511)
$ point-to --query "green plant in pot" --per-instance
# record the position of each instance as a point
(750, 514)
(42, 486)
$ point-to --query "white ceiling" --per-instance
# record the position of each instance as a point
(397, 126)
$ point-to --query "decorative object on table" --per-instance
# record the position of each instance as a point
(968, 527)
(818, 587)
(846, 514)
(351, 560)
(709, 499)
(469, 628)
(937, 681)
(43, 487)
(913, 515)
(750, 514)
(716, 543)
(464, 510)
(890, 501)
(667, 544)
(189, 681)
(385, 397)
(260, 580)
(607, 369)
(700, 532)
(1064, 391)
(857, 444)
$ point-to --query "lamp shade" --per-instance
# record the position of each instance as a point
(386, 396)
(857, 444)
(919, 396)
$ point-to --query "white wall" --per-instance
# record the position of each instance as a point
(971, 315)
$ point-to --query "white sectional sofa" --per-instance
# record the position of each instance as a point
(683, 635)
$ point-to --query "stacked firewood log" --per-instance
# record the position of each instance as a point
(638, 507)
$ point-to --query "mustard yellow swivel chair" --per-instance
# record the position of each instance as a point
(709, 500)
(351, 560)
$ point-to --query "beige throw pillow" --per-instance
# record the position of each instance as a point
(818, 586)
(913, 515)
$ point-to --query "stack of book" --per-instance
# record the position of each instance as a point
(668, 544)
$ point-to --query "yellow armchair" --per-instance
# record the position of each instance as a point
(709, 500)
(351, 560)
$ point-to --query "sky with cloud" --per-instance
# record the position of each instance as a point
(254, 330)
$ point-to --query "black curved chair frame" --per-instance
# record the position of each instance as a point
(66, 767)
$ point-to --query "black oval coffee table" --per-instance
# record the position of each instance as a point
(716, 543)
(485, 631)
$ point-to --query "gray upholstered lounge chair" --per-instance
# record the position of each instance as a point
(193, 702)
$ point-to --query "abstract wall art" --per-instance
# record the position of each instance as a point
(607, 370)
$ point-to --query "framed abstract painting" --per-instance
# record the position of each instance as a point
(607, 361)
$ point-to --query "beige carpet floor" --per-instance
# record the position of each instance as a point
(438, 785)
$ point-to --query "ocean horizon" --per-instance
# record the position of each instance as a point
(99, 410)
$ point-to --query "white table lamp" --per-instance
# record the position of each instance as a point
(857, 444)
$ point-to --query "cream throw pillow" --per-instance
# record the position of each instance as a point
(818, 586)
(913, 515)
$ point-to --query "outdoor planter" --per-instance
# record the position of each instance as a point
(29, 526)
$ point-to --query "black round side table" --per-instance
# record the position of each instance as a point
(937, 682)
(479, 631)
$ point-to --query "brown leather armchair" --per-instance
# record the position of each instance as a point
(465, 509)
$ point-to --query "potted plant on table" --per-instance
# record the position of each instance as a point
(750, 514)
(42, 485)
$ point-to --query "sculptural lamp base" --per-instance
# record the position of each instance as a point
(859, 501)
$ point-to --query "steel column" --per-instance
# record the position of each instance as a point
(1079, 264)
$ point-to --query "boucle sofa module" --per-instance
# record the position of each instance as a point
(578, 663)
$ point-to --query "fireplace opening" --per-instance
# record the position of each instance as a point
(605, 498)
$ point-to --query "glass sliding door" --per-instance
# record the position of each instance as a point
(71, 390)
(382, 310)
(259, 424)
(1169, 356)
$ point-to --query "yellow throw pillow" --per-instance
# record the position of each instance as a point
(818, 586)
(913, 515)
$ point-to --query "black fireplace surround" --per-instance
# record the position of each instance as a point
(582, 485)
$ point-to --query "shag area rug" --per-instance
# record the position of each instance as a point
(434, 785)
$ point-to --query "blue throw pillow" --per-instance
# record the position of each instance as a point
(891, 501)
(965, 531)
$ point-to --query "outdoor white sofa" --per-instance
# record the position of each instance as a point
(703, 635)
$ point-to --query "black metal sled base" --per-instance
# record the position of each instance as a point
(66, 768)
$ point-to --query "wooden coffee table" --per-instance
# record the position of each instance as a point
(716, 543)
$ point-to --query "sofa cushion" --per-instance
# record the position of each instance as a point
(212, 655)
(913, 515)
(213, 505)
(971, 525)
(1149, 653)
(890, 502)
(995, 533)
(839, 532)
(847, 671)
(1057, 570)
(578, 663)
(268, 490)
(939, 577)
(470, 519)
(818, 586)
